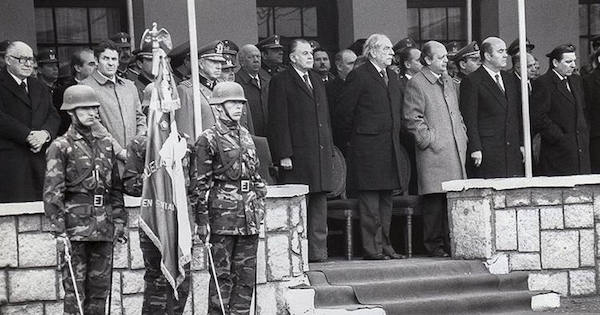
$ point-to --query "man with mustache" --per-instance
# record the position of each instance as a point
(322, 65)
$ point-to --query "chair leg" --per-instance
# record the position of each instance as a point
(349, 244)
(408, 231)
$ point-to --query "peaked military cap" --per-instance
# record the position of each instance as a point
(47, 56)
(314, 44)
(513, 48)
(452, 48)
(229, 61)
(180, 52)
(229, 47)
(472, 49)
(145, 51)
(212, 51)
(273, 41)
(121, 39)
(403, 44)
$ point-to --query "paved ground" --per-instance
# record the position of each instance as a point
(585, 305)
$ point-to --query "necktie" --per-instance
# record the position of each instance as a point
(384, 76)
(567, 84)
(24, 87)
(499, 84)
(305, 76)
(256, 82)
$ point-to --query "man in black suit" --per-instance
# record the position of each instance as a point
(369, 110)
(28, 122)
(256, 87)
(557, 113)
(490, 102)
(344, 63)
(299, 135)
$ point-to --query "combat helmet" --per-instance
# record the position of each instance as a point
(227, 91)
(79, 96)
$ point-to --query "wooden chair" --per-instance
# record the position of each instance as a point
(346, 209)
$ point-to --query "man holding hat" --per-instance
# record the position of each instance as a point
(558, 114)
(272, 55)
(490, 102)
(123, 42)
(467, 60)
(229, 198)
(83, 199)
(190, 115)
(48, 68)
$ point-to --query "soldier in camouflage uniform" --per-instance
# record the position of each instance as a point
(83, 198)
(158, 296)
(227, 194)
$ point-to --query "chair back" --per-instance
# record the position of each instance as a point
(405, 171)
(338, 174)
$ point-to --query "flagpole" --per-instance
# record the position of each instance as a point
(524, 89)
(469, 21)
(191, 6)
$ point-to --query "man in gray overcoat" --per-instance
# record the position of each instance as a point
(432, 115)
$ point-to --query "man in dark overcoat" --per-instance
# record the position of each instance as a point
(591, 89)
(490, 103)
(299, 135)
(557, 113)
(256, 87)
(369, 110)
(28, 122)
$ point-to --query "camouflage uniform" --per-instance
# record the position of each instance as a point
(227, 193)
(83, 198)
(158, 296)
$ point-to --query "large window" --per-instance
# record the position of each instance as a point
(67, 25)
(589, 24)
(308, 19)
(440, 20)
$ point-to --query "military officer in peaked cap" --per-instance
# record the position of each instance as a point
(467, 60)
(272, 54)
(210, 63)
(230, 51)
(123, 42)
(143, 59)
(513, 48)
(180, 62)
(452, 48)
(48, 68)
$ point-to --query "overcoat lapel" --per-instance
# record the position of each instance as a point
(562, 88)
(12, 86)
(300, 81)
(492, 86)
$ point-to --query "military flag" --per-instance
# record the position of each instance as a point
(164, 208)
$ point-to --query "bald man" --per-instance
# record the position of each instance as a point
(490, 102)
(28, 122)
(256, 87)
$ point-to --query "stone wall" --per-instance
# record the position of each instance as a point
(30, 282)
(549, 227)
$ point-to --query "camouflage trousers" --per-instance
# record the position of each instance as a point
(92, 266)
(158, 294)
(235, 264)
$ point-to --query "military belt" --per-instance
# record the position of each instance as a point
(95, 200)
(245, 185)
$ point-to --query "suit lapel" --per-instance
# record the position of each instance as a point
(300, 81)
(492, 86)
(562, 87)
(10, 83)
(376, 75)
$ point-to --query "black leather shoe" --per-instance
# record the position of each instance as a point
(438, 252)
(396, 256)
(378, 256)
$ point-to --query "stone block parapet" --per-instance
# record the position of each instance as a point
(30, 280)
(549, 226)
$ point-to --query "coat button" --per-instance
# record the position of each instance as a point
(507, 143)
(320, 125)
(321, 147)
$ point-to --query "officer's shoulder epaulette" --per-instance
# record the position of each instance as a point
(187, 83)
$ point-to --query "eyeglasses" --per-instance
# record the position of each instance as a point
(23, 60)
